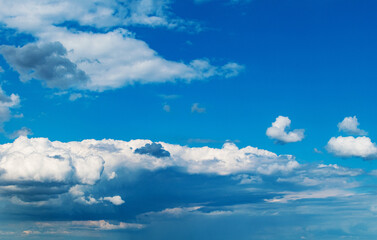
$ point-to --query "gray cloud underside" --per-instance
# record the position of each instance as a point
(47, 62)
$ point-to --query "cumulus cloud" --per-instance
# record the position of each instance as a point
(350, 125)
(116, 200)
(278, 131)
(46, 62)
(350, 146)
(95, 60)
(36, 170)
(154, 149)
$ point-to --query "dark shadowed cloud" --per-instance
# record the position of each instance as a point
(46, 62)
(153, 149)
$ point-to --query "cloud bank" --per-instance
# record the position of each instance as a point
(48, 169)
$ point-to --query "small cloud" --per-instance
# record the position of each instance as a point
(196, 109)
(105, 225)
(1, 70)
(20, 115)
(350, 146)
(154, 149)
(278, 131)
(201, 140)
(116, 200)
(24, 131)
(30, 232)
(113, 175)
(317, 151)
(166, 108)
(350, 125)
(75, 96)
(247, 179)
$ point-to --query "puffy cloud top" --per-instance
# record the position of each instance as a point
(352, 147)
(106, 59)
(59, 167)
(351, 125)
(278, 131)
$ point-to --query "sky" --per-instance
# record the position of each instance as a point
(191, 119)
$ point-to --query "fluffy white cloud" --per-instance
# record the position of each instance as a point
(361, 147)
(116, 200)
(101, 60)
(38, 159)
(278, 131)
(351, 125)
(32, 15)
(75, 167)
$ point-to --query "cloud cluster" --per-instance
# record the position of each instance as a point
(99, 60)
(278, 131)
(48, 169)
(350, 146)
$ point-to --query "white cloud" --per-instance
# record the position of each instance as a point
(116, 200)
(105, 225)
(24, 131)
(319, 194)
(351, 125)
(102, 60)
(38, 159)
(45, 227)
(196, 109)
(75, 96)
(352, 147)
(78, 166)
(278, 131)
(173, 212)
(33, 14)
(6, 104)
(166, 107)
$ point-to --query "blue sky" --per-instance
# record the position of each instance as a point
(195, 119)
